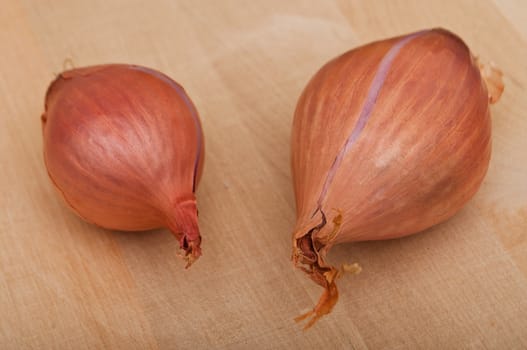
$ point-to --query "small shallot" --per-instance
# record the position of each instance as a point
(123, 146)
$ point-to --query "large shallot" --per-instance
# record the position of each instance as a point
(388, 140)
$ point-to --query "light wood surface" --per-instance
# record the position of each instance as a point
(65, 284)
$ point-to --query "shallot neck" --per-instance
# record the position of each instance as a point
(309, 255)
(183, 222)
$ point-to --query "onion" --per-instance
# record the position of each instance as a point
(123, 146)
(388, 140)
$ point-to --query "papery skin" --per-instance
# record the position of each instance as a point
(123, 145)
(420, 154)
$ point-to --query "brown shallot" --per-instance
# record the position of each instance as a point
(123, 145)
(388, 140)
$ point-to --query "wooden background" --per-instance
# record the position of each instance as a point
(65, 284)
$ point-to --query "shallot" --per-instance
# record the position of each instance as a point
(388, 140)
(123, 145)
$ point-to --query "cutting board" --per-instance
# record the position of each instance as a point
(66, 284)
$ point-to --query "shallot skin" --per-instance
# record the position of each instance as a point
(124, 147)
(388, 140)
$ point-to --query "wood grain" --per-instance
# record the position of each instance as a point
(66, 284)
